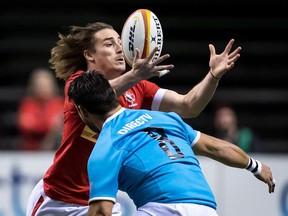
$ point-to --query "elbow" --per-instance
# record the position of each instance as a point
(194, 114)
(192, 109)
(190, 113)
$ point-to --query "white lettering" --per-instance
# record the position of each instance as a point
(135, 123)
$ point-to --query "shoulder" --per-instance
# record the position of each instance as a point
(146, 84)
(74, 76)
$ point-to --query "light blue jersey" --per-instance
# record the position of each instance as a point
(148, 155)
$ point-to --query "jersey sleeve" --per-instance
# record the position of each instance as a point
(158, 98)
(103, 169)
(192, 135)
(149, 91)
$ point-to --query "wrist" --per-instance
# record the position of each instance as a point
(124, 82)
(254, 166)
(133, 76)
(215, 77)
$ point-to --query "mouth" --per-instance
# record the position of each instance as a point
(121, 59)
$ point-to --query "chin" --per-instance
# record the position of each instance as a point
(120, 69)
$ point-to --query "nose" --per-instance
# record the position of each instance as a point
(119, 47)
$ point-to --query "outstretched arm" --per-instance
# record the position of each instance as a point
(231, 155)
(142, 69)
(192, 104)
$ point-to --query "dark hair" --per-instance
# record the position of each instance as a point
(94, 92)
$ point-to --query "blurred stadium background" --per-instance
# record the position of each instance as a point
(257, 86)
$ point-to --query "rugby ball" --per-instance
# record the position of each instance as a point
(142, 30)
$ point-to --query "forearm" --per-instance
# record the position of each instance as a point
(221, 151)
(233, 156)
(191, 104)
(124, 82)
(199, 96)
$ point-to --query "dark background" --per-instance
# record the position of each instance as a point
(257, 86)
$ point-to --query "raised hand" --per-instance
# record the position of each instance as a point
(147, 68)
(221, 63)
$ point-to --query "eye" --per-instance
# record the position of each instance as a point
(109, 44)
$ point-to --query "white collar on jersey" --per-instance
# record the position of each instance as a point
(114, 115)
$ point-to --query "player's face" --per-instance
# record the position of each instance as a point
(108, 57)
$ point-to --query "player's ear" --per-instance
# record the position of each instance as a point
(87, 54)
(81, 111)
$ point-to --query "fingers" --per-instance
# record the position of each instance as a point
(163, 72)
(268, 176)
(230, 65)
(233, 56)
(212, 50)
(137, 55)
(160, 59)
(235, 52)
(272, 185)
(162, 69)
(150, 57)
(229, 46)
(233, 59)
(149, 67)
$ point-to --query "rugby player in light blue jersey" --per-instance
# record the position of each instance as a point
(150, 155)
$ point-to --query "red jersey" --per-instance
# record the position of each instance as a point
(67, 178)
(36, 119)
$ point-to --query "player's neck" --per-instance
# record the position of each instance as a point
(103, 118)
(113, 111)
